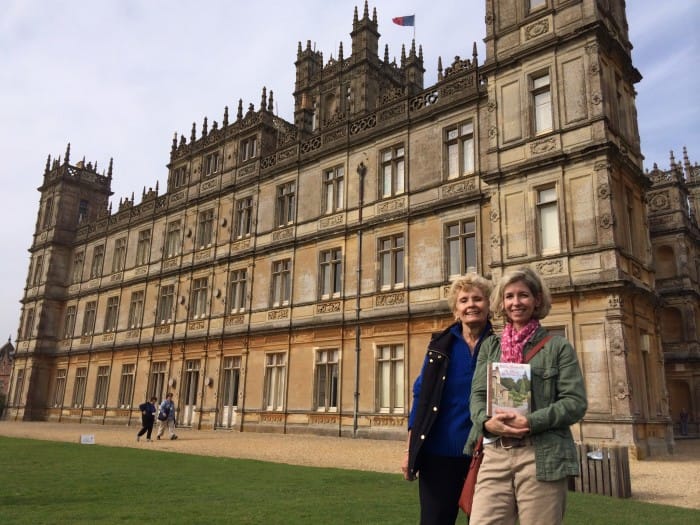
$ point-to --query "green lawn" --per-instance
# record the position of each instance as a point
(43, 482)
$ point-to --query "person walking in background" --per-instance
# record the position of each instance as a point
(527, 458)
(166, 417)
(148, 417)
(439, 421)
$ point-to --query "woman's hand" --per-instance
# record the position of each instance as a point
(404, 466)
(508, 424)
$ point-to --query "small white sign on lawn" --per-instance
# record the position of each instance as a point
(87, 439)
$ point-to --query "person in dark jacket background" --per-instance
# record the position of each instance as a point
(439, 421)
(148, 417)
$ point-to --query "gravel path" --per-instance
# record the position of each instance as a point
(672, 480)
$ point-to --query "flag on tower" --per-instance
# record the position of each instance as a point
(405, 20)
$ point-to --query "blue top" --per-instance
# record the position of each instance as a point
(453, 423)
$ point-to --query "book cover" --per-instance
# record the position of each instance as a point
(508, 388)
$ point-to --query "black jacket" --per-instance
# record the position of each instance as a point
(434, 374)
(428, 402)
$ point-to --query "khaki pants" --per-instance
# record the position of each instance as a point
(507, 489)
(169, 423)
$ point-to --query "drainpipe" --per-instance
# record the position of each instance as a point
(361, 170)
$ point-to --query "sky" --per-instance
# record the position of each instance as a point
(117, 78)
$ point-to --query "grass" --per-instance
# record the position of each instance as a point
(44, 482)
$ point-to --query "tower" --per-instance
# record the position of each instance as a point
(70, 196)
(563, 141)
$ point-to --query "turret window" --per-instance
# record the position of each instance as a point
(205, 228)
(249, 148)
(98, 255)
(48, 213)
(119, 254)
(172, 239)
(179, 177)
(333, 189)
(211, 164)
(143, 248)
(392, 172)
(460, 150)
(286, 201)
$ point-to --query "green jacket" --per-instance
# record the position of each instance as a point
(558, 401)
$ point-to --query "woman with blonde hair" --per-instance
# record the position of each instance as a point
(439, 421)
(527, 457)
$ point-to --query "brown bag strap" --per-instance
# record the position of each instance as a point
(537, 348)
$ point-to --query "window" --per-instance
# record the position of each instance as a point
(136, 309)
(78, 261)
(143, 247)
(98, 255)
(89, 319)
(59, 388)
(19, 386)
(460, 150)
(172, 239)
(314, 116)
(275, 367)
(460, 238)
(391, 271)
(101, 386)
(330, 273)
(249, 148)
(126, 386)
(285, 203)
(392, 173)
(211, 164)
(166, 303)
(548, 218)
(198, 303)
(390, 378)
(537, 4)
(205, 228)
(281, 282)
(38, 270)
(28, 323)
(333, 189)
(156, 381)
(79, 387)
(69, 322)
(48, 213)
(112, 314)
(237, 291)
(82, 211)
(179, 177)
(119, 255)
(231, 381)
(244, 217)
(326, 377)
(191, 381)
(542, 103)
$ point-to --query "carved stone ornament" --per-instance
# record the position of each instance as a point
(592, 48)
(539, 28)
(593, 69)
(550, 267)
(495, 240)
(494, 215)
(488, 18)
(543, 146)
(622, 390)
(493, 132)
(603, 165)
(606, 221)
(597, 98)
(659, 201)
(636, 271)
(615, 301)
(617, 347)
(491, 106)
(604, 191)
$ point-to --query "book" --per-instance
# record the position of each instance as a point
(508, 388)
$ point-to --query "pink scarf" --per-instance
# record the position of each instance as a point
(512, 342)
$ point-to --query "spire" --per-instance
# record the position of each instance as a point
(193, 135)
(412, 53)
(225, 122)
(270, 103)
(403, 55)
(109, 169)
(205, 128)
(340, 52)
(263, 99)
(156, 187)
(67, 156)
(239, 115)
(673, 160)
(474, 55)
(439, 68)
(365, 14)
(374, 15)
(174, 146)
(386, 53)
(48, 164)
(354, 17)
(299, 49)
(686, 162)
